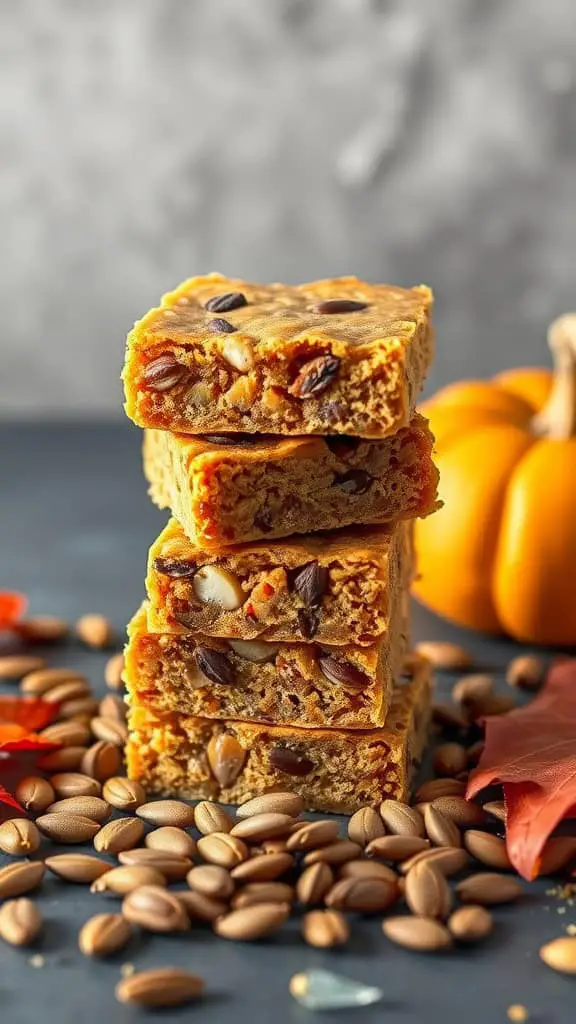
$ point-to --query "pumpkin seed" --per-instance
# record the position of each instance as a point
(488, 849)
(210, 817)
(365, 825)
(560, 954)
(427, 891)
(470, 924)
(223, 849)
(118, 835)
(19, 837)
(20, 922)
(325, 929)
(402, 820)
(253, 922)
(172, 866)
(263, 892)
(20, 878)
(155, 909)
(15, 666)
(281, 803)
(122, 793)
(422, 934)
(167, 812)
(73, 784)
(87, 806)
(104, 935)
(67, 828)
(169, 839)
(488, 889)
(77, 867)
(266, 825)
(211, 880)
(123, 880)
(165, 986)
(34, 793)
(445, 656)
(314, 883)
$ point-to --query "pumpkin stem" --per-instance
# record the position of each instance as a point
(557, 420)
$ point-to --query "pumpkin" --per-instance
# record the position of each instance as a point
(500, 556)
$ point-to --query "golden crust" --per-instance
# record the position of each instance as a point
(279, 313)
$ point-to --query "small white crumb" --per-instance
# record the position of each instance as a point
(37, 960)
(127, 970)
(517, 1013)
(298, 985)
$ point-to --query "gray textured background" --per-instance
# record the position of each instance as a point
(145, 140)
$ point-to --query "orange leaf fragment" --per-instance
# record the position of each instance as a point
(20, 746)
(12, 608)
(32, 713)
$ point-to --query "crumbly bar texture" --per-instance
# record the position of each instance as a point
(333, 770)
(331, 357)
(334, 588)
(304, 685)
(228, 490)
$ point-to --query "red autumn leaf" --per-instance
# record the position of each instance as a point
(32, 713)
(20, 746)
(7, 799)
(12, 608)
(532, 752)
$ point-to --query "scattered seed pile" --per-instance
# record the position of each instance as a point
(245, 874)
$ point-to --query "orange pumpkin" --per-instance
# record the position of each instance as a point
(500, 556)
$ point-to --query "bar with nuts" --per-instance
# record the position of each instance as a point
(301, 684)
(228, 490)
(330, 357)
(233, 761)
(334, 588)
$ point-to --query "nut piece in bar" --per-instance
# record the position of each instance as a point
(330, 357)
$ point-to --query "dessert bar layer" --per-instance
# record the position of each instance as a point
(228, 490)
(304, 685)
(330, 357)
(334, 588)
(232, 761)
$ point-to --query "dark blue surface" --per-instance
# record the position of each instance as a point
(75, 527)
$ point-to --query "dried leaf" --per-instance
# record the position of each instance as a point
(532, 752)
(20, 746)
(31, 713)
(12, 608)
(8, 800)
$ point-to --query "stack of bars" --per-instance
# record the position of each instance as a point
(281, 432)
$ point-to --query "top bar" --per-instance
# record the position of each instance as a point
(331, 357)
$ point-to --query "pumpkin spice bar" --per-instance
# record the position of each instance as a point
(228, 490)
(335, 588)
(233, 761)
(331, 357)
(300, 684)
